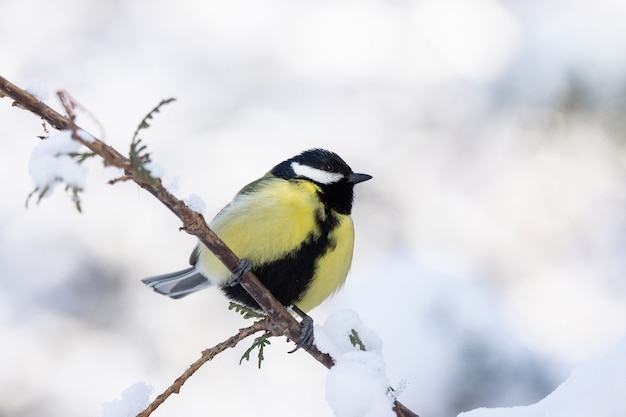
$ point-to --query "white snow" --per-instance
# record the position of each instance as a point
(195, 202)
(596, 388)
(134, 400)
(357, 385)
(332, 337)
(38, 88)
(51, 163)
(173, 185)
(87, 137)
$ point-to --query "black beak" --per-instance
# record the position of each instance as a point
(355, 178)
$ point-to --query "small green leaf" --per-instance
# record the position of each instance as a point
(259, 343)
(81, 157)
(75, 197)
(356, 340)
(138, 154)
(246, 312)
(144, 122)
(40, 194)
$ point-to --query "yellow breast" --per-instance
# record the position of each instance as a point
(333, 267)
(265, 225)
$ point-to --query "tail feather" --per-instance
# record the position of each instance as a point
(178, 284)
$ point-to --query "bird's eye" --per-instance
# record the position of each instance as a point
(327, 167)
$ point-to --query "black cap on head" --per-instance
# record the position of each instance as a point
(320, 166)
(329, 171)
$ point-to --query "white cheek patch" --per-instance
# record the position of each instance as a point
(314, 174)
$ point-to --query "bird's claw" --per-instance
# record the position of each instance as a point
(244, 265)
(306, 337)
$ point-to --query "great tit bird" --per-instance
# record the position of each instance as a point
(292, 226)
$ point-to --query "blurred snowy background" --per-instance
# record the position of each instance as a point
(490, 242)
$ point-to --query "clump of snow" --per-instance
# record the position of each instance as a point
(195, 203)
(134, 400)
(173, 185)
(357, 386)
(51, 163)
(596, 388)
(87, 137)
(38, 89)
(333, 337)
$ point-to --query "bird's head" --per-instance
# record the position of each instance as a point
(327, 170)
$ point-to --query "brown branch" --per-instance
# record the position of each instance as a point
(401, 410)
(34, 105)
(281, 321)
(207, 355)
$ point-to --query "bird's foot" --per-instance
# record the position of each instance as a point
(243, 266)
(306, 333)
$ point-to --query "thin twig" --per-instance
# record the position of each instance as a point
(207, 355)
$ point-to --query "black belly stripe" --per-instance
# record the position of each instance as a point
(288, 278)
